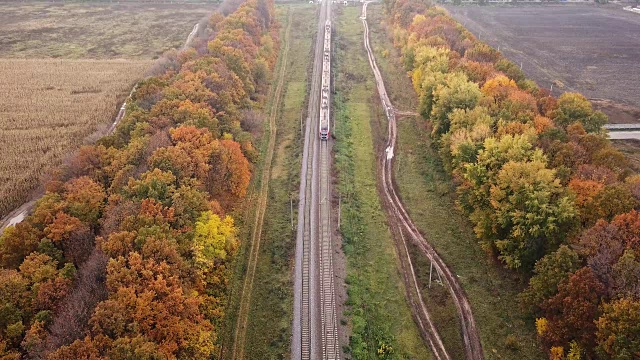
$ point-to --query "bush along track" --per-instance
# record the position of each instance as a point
(546, 192)
(127, 253)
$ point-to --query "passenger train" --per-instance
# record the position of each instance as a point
(325, 114)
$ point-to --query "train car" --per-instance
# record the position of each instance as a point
(325, 100)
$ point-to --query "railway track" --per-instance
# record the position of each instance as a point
(397, 212)
(315, 328)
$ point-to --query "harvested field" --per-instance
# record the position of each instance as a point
(586, 48)
(95, 30)
(47, 108)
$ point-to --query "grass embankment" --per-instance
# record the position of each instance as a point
(378, 311)
(429, 196)
(270, 313)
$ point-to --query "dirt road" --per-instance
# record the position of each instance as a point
(192, 34)
(403, 225)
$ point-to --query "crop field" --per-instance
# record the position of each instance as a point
(47, 108)
(66, 70)
(590, 49)
(95, 30)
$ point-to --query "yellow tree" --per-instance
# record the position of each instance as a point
(214, 240)
(619, 329)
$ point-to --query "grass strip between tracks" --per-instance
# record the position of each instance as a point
(428, 194)
(377, 310)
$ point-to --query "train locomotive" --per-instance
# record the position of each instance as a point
(325, 115)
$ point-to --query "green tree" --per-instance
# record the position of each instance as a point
(457, 92)
(549, 272)
(619, 330)
(626, 276)
(493, 155)
(530, 210)
(574, 107)
(155, 184)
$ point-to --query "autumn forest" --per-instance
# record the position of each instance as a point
(127, 253)
(547, 193)
(138, 244)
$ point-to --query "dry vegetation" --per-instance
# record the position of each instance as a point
(47, 108)
(95, 30)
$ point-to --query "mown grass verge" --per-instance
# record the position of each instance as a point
(429, 196)
(377, 309)
(270, 315)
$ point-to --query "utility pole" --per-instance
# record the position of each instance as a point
(339, 209)
(301, 132)
(291, 212)
(430, 270)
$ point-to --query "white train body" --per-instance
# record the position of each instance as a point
(325, 101)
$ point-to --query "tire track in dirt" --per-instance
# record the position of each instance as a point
(400, 220)
(428, 330)
(239, 339)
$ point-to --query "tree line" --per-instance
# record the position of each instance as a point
(547, 193)
(127, 254)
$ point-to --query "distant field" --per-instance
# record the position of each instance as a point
(586, 48)
(95, 30)
(47, 108)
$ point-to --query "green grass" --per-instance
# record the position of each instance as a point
(270, 314)
(429, 196)
(377, 309)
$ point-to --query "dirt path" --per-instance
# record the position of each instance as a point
(245, 297)
(192, 34)
(401, 221)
